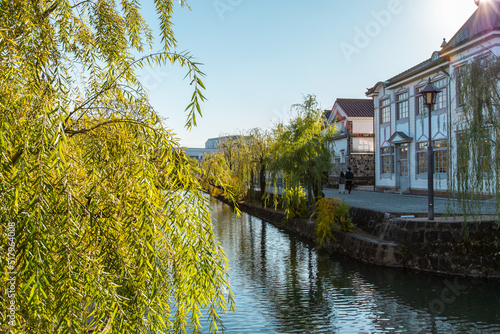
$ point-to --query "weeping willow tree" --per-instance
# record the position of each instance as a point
(259, 144)
(302, 149)
(477, 164)
(103, 225)
(227, 171)
(219, 179)
(241, 161)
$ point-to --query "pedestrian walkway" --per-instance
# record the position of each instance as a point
(403, 204)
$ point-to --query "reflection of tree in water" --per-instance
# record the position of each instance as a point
(285, 267)
(306, 292)
(299, 300)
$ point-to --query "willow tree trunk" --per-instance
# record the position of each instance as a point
(262, 181)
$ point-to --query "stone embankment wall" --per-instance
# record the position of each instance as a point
(434, 246)
(440, 245)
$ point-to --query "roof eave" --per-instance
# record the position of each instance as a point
(416, 75)
(371, 92)
(478, 39)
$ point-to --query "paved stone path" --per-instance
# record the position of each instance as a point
(399, 204)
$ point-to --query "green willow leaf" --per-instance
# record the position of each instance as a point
(92, 179)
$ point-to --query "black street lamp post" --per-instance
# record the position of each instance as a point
(429, 94)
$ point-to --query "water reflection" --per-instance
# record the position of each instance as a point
(283, 285)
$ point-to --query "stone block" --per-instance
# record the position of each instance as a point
(446, 236)
(431, 236)
(434, 261)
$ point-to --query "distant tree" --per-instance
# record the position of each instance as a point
(302, 150)
(219, 179)
(260, 143)
(475, 168)
(103, 224)
(233, 170)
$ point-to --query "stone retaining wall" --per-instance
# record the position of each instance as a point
(440, 245)
(349, 244)
(410, 243)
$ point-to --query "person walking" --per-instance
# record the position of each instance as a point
(348, 179)
(342, 183)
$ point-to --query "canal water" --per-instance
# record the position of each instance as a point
(284, 285)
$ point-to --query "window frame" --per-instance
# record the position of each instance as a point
(402, 99)
(442, 98)
(385, 110)
(420, 108)
(459, 74)
(440, 150)
(384, 156)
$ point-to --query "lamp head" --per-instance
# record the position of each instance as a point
(429, 94)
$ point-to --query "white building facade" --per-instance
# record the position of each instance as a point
(401, 119)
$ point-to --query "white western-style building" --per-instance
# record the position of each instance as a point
(400, 118)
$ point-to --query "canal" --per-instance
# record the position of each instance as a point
(284, 285)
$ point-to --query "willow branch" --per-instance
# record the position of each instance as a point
(49, 10)
(83, 131)
(16, 156)
(80, 3)
(185, 58)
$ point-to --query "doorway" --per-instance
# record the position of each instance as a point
(402, 168)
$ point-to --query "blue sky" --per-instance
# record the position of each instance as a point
(260, 57)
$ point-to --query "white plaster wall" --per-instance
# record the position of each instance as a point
(340, 144)
(362, 125)
(363, 144)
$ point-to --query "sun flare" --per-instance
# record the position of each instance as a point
(457, 14)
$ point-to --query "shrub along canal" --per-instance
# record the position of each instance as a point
(284, 285)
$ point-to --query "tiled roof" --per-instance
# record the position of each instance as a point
(356, 107)
(485, 19)
(431, 62)
(416, 69)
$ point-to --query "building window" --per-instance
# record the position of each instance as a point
(402, 105)
(471, 155)
(487, 156)
(441, 101)
(459, 82)
(440, 156)
(386, 160)
(422, 157)
(421, 109)
(385, 111)
(442, 98)
(342, 156)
